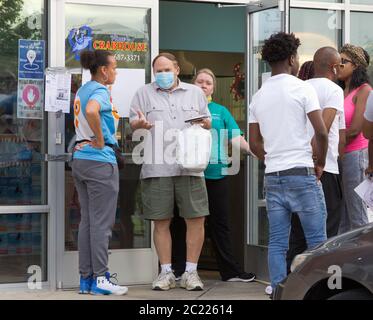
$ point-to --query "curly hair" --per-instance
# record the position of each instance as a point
(306, 71)
(279, 47)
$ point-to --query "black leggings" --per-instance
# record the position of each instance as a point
(217, 228)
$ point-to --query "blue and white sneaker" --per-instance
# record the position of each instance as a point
(103, 286)
(85, 285)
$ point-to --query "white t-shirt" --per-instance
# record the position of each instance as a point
(369, 108)
(342, 121)
(280, 108)
(330, 96)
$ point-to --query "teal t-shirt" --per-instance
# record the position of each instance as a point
(93, 90)
(223, 129)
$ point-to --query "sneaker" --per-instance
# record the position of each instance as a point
(164, 282)
(269, 290)
(243, 277)
(104, 286)
(85, 285)
(191, 281)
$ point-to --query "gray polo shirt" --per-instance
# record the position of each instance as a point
(167, 111)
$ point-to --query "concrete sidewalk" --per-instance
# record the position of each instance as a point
(214, 290)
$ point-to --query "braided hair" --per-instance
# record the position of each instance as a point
(306, 71)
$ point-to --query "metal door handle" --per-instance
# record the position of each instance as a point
(64, 157)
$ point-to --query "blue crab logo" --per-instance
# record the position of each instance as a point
(80, 39)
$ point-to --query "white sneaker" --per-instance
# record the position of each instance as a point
(191, 281)
(103, 286)
(165, 281)
(268, 290)
(243, 277)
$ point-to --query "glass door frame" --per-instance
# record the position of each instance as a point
(256, 255)
(43, 209)
(345, 8)
(64, 262)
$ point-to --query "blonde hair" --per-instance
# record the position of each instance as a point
(207, 71)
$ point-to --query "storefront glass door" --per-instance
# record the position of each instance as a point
(24, 212)
(262, 22)
(126, 28)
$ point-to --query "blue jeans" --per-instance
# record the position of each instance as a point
(353, 166)
(285, 195)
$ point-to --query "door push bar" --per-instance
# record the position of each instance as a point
(64, 157)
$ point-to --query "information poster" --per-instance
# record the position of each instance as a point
(30, 99)
(31, 65)
(57, 91)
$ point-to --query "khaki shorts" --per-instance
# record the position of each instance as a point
(159, 196)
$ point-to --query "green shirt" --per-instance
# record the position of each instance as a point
(223, 129)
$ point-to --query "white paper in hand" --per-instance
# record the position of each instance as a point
(365, 192)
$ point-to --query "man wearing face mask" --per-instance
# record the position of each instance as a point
(162, 108)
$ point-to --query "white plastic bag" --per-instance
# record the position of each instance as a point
(193, 148)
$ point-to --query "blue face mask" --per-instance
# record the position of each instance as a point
(165, 80)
